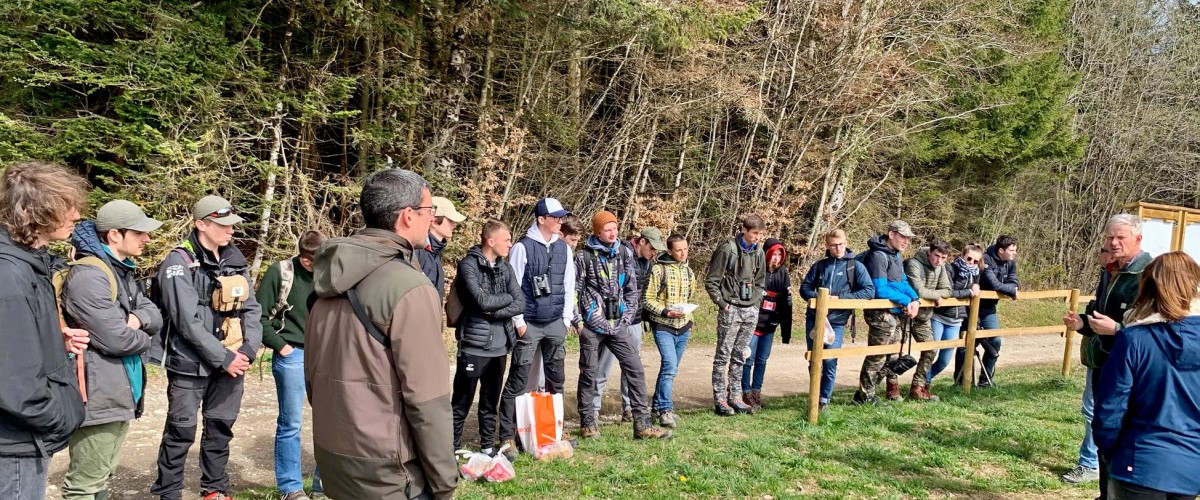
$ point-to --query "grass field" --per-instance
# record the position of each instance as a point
(1010, 442)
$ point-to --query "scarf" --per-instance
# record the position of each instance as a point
(970, 270)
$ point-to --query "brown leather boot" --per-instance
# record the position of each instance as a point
(893, 392)
(643, 428)
(921, 393)
(758, 400)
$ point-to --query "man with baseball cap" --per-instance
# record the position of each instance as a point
(645, 247)
(101, 295)
(544, 266)
(883, 264)
(445, 219)
(211, 336)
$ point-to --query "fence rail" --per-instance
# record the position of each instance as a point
(825, 303)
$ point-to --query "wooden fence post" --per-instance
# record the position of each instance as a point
(815, 355)
(968, 368)
(1069, 334)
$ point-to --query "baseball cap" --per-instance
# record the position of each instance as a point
(445, 208)
(122, 214)
(655, 238)
(216, 209)
(901, 227)
(550, 207)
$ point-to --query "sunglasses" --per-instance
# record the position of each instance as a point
(969, 260)
(224, 212)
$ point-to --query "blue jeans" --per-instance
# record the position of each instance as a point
(756, 363)
(828, 366)
(670, 348)
(289, 388)
(942, 331)
(24, 477)
(1088, 456)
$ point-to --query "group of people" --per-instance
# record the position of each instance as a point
(355, 327)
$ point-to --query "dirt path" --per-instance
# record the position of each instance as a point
(252, 458)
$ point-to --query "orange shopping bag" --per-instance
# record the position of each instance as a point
(539, 419)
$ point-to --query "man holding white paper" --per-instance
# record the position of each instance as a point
(670, 293)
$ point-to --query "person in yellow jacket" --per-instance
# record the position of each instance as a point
(671, 283)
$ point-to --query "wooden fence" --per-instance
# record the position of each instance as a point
(824, 303)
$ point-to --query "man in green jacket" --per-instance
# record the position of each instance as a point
(1114, 294)
(929, 277)
(285, 289)
(737, 275)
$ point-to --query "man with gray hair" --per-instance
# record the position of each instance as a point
(1114, 294)
(376, 366)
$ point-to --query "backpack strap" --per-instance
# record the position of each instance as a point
(287, 276)
(361, 313)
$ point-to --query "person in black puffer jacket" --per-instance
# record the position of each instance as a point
(775, 313)
(491, 296)
(947, 321)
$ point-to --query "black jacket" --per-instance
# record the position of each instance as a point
(431, 263)
(87, 304)
(40, 404)
(997, 275)
(191, 334)
(490, 296)
(960, 288)
(776, 310)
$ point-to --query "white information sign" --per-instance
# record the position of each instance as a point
(1156, 236)
(1191, 240)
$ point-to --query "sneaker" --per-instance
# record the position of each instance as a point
(667, 419)
(642, 429)
(722, 409)
(893, 392)
(219, 495)
(589, 431)
(511, 452)
(318, 495)
(921, 393)
(1080, 475)
(627, 416)
(822, 407)
(296, 495)
(984, 384)
(491, 452)
(740, 407)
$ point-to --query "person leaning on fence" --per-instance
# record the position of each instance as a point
(212, 335)
(1115, 294)
(376, 367)
(490, 296)
(998, 274)
(1088, 466)
(285, 289)
(608, 300)
(775, 313)
(445, 219)
(846, 278)
(886, 325)
(101, 295)
(735, 280)
(671, 282)
(1147, 422)
(927, 275)
(947, 321)
(645, 247)
(40, 403)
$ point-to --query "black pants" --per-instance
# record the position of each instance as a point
(221, 398)
(991, 353)
(488, 375)
(621, 345)
(551, 337)
(1121, 490)
(1103, 464)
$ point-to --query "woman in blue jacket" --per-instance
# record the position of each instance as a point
(1147, 418)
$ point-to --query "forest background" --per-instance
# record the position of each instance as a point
(969, 119)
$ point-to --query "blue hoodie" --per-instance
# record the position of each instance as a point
(832, 273)
(887, 272)
(1147, 418)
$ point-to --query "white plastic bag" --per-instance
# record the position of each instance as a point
(539, 420)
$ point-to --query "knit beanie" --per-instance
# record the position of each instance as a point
(601, 219)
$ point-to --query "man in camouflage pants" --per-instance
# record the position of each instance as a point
(736, 277)
(887, 273)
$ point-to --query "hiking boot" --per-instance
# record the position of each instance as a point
(1080, 475)
(861, 398)
(217, 495)
(627, 416)
(589, 431)
(667, 419)
(643, 429)
(921, 393)
(758, 400)
(741, 407)
(893, 392)
(822, 407)
(511, 451)
(296, 495)
(318, 495)
(722, 409)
